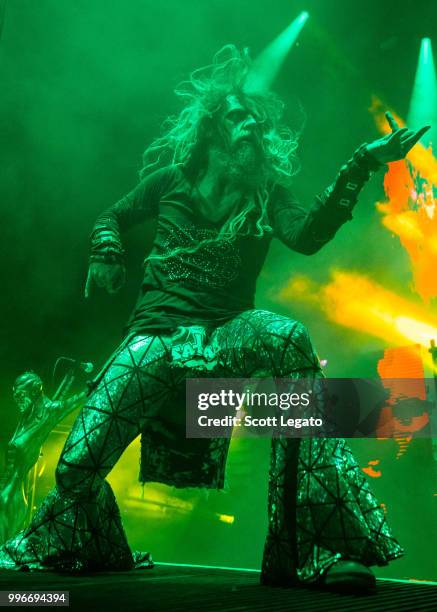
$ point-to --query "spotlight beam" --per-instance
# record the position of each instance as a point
(268, 63)
(423, 103)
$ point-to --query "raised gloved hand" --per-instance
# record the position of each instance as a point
(109, 276)
(397, 144)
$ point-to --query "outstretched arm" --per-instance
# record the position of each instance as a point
(107, 255)
(306, 231)
(62, 408)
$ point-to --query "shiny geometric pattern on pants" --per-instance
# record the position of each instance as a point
(78, 525)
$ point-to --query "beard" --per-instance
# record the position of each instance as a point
(244, 166)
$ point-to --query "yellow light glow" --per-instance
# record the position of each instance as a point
(359, 303)
(226, 518)
(416, 330)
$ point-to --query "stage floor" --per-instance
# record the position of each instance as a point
(177, 587)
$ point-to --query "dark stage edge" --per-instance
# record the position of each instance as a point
(192, 588)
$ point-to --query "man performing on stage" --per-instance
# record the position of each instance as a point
(218, 183)
(39, 415)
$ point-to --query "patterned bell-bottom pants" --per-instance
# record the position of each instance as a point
(320, 507)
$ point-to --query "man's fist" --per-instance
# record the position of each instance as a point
(110, 276)
(397, 144)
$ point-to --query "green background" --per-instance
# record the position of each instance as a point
(84, 86)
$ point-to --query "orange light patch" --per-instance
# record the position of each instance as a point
(409, 211)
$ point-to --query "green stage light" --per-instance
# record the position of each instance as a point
(423, 103)
(267, 65)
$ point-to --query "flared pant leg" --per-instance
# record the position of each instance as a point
(78, 526)
(320, 506)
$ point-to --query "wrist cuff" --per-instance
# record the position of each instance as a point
(365, 161)
(107, 253)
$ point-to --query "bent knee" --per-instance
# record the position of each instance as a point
(293, 347)
(74, 481)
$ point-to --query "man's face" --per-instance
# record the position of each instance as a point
(240, 143)
(239, 125)
(22, 398)
(26, 393)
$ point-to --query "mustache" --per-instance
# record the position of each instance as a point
(247, 145)
(252, 137)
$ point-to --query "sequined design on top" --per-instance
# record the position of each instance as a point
(212, 265)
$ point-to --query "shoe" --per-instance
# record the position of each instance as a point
(347, 576)
(343, 576)
(142, 560)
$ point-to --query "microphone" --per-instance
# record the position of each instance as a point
(85, 366)
(70, 376)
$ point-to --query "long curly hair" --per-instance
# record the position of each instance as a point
(186, 137)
